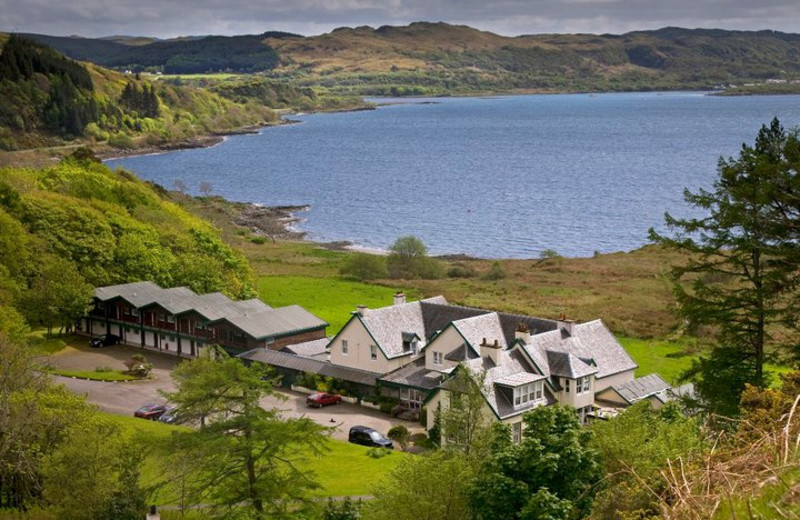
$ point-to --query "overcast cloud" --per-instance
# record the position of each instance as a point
(170, 18)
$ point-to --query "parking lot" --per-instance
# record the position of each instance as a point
(124, 397)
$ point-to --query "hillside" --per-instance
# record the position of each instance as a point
(49, 101)
(439, 58)
(78, 225)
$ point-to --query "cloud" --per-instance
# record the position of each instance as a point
(510, 17)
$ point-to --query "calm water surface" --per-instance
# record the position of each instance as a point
(501, 177)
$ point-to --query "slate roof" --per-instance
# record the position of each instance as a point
(511, 364)
(325, 368)
(316, 348)
(253, 317)
(415, 375)
(591, 343)
(564, 364)
(644, 387)
(483, 327)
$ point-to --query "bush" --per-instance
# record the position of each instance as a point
(387, 404)
(363, 267)
(461, 271)
(103, 370)
(378, 453)
(496, 272)
(138, 366)
(258, 240)
(400, 434)
(122, 141)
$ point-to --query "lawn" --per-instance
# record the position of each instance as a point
(95, 375)
(41, 345)
(332, 299)
(345, 469)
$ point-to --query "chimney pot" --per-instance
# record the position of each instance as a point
(399, 298)
(362, 310)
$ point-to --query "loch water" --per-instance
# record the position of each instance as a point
(495, 177)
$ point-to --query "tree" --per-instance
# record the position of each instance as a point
(400, 434)
(741, 262)
(180, 186)
(206, 188)
(553, 464)
(634, 447)
(428, 486)
(408, 258)
(58, 294)
(248, 458)
(464, 426)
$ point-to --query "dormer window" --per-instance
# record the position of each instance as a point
(409, 342)
(525, 394)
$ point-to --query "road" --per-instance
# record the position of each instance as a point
(124, 397)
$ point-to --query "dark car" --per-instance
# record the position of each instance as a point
(171, 416)
(151, 411)
(104, 341)
(321, 399)
(368, 437)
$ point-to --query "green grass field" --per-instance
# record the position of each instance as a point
(332, 299)
(343, 470)
(43, 346)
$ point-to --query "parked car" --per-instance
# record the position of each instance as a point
(104, 341)
(151, 411)
(368, 437)
(171, 416)
(321, 399)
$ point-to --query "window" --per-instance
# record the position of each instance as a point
(438, 357)
(529, 393)
(134, 312)
(373, 352)
(582, 385)
(198, 325)
(566, 385)
(126, 311)
(516, 433)
(170, 318)
(344, 347)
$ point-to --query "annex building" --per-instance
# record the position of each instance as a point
(181, 322)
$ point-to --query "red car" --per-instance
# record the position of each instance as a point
(322, 399)
(151, 411)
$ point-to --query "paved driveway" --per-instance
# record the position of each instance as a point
(124, 397)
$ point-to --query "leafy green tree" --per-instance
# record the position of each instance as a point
(429, 486)
(464, 425)
(554, 459)
(400, 434)
(364, 267)
(345, 509)
(249, 458)
(94, 474)
(408, 258)
(633, 448)
(58, 294)
(495, 272)
(741, 263)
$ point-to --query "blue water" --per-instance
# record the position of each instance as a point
(501, 177)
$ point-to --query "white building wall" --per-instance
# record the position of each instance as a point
(358, 350)
(444, 343)
(613, 380)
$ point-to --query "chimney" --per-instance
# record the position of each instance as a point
(399, 298)
(523, 333)
(565, 325)
(491, 350)
(152, 514)
(361, 310)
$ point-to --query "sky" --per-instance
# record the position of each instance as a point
(171, 18)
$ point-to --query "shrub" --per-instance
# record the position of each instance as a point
(400, 434)
(122, 141)
(103, 370)
(496, 272)
(363, 267)
(378, 453)
(258, 240)
(138, 366)
(461, 271)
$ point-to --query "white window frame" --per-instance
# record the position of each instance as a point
(170, 318)
(344, 347)
(373, 352)
(516, 432)
(529, 393)
(438, 358)
(134, 311)
(582, 385)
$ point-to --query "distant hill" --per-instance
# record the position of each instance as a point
(179, 56)
(440, 58)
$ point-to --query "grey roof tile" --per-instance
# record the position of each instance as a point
(643, 387)
(590, 342)
(564, 364)
(254, 317)
(302, 364)
(314, 349)
(414, 375)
